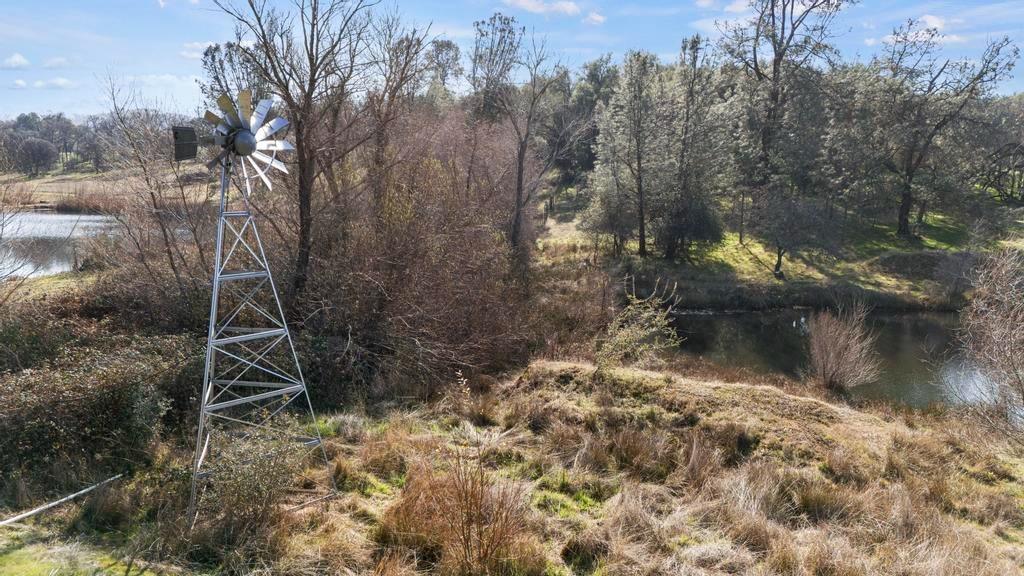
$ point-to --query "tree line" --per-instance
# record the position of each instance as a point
(769, 132)
(404, 229)
(33, 144)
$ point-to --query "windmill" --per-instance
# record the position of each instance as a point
(252, 372)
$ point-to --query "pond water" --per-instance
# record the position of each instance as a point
(44, 243)
(917, 350)
(920, 365)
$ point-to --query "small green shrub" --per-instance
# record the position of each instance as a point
(246, 485)
(638, 332)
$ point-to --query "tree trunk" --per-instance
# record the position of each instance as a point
(517, 210)
(380, 146)
(906, 204)
(640, 204)
(779, 252)
(671, 249)
(743, 203)
(307, 172)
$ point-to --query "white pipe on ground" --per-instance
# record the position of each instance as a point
(35, 511)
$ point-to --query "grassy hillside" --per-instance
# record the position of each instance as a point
(868, 260)
(560, 470)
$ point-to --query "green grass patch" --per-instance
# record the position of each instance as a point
(562, 505)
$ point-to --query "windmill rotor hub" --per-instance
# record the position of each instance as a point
(243, 142)
(249, 138)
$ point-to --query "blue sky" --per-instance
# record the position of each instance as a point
(55, 54)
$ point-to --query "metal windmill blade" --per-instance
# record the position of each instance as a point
(252, 373)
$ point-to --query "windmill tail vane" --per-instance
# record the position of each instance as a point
(252, 374)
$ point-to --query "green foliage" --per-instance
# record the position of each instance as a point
(638, 332)
(30, 335)
(90, 407)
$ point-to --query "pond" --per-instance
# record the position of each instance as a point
(920, 365)
(44, 243)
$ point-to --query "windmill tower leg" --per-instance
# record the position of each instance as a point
(252, 371)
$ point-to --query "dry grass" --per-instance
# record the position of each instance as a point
(646, 473)
(464, 519)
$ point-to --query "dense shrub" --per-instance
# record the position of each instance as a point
(89, 407)
(29, 335)
(641, 330)
(242, 503)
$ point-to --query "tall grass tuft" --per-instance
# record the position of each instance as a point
(465, 520)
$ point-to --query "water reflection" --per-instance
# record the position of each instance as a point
(919, 362)
(43, 243)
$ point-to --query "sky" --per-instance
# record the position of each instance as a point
(58, 55)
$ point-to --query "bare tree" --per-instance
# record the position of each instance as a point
(497, 55)
(525, 111)
(992, 334)
(161, 202)
(397, 57)
(311, 57)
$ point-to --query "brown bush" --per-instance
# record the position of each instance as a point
(403, 286)
(841, 349)
(698, 462)
(993, 336)
(465, 520)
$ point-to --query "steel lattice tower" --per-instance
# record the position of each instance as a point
(252, 373)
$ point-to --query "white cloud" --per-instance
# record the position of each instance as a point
(543, 7)
(707, 26)
(594, 19)
(738, 6)
(705, 3)
(19, 84)
(932, 21)
(194, 50)
(939, 23)
(162, 3)
(870, 41)
(14, 61)
(56, 62)
(453, 31)
(163, 80)
(54, 84)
